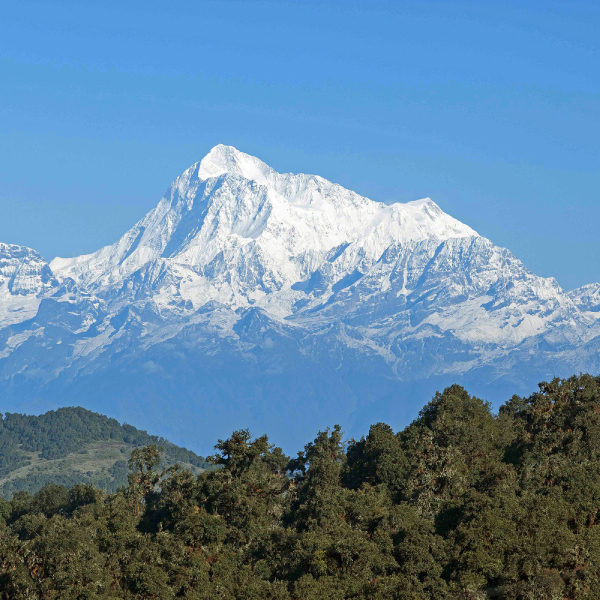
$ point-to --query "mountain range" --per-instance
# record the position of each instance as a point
(281, 302)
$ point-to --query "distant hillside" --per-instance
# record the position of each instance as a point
(74, 445)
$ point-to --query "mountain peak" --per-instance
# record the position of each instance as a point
(271, 235)
(227, 159)
(424, 202)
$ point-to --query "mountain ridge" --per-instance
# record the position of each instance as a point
(288, 287)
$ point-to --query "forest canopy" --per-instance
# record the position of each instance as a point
(462, 503)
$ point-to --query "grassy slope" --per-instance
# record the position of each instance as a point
(101, 463)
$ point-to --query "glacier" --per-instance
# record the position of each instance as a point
(284, 303)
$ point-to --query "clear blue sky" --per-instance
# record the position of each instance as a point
(490, 108)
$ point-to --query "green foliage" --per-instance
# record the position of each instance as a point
(461, 504)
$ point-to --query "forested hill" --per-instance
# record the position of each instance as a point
(461, 504)
(73, 445)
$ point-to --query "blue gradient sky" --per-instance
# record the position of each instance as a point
(490, 108)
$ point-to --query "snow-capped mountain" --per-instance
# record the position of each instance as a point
(587, 298)
(25, 278)
(243, 231)
(258, 297)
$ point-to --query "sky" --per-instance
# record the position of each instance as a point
(492, 109)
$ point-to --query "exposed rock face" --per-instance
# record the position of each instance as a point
(269, 296)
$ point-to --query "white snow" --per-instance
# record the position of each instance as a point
(231, 233)
(232, 204)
